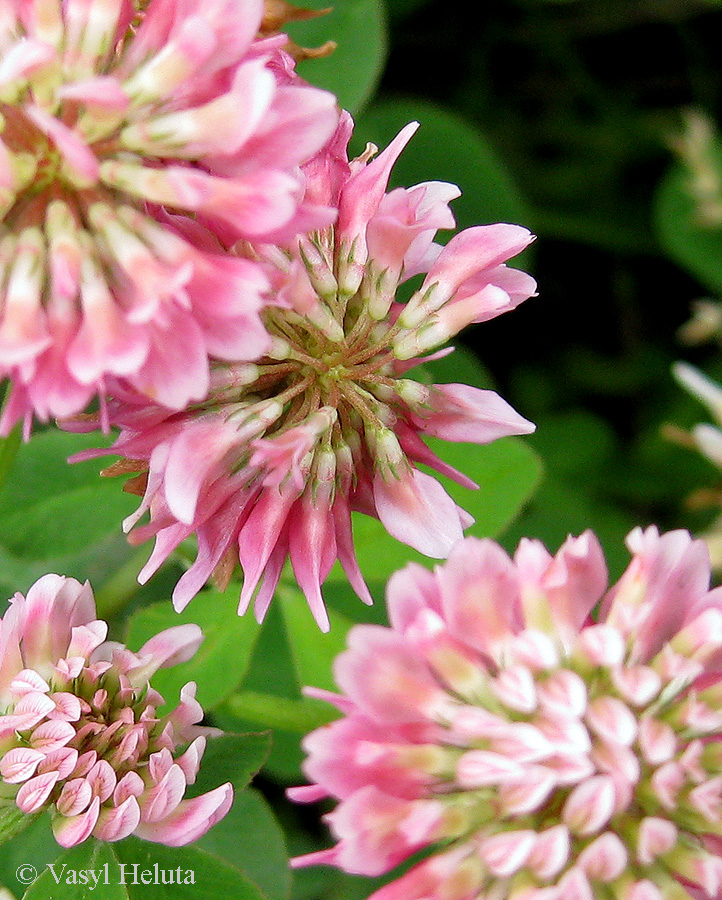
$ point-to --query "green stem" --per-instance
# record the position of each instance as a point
(270, 711)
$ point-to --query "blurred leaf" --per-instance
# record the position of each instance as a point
(296, 716)
(250, 838)
(561, 508)
(313, 651)
(461, 366)
(35, 845)
(212, 876)
(696, 247)
(272, 699)
(341, 596)
(87, 871)
(9, 447)
(352, 71)
(222, 659)
(581, 453)
(574, 444)
(55, 516)
(507, 472)
(231, 757)
(446, 148)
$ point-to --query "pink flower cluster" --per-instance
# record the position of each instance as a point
(111, 110)
(537, 753)
(80, 734)
(272, 463)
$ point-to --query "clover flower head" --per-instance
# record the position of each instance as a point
(80, 734)
(111, 110)
(537, 753)
(272, 463)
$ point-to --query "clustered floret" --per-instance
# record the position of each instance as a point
(80, 733)
(272, 463)
(113, 113)
(536, 752)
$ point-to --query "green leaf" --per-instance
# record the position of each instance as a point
(9, 447)
(582, 454)
(561, 508)
(13, 821)
(696, 247)
(313, 652)
(507, 472)
(202, 875)
(222, 659)
(250, 838)
(461, 366)
(55, 516)
(353, 70)
(85, 512)
(296, 716)
(35, 845)
(43, 490)
(575, 444)
(231, 757)
(271, 698)
(446, 148)
(87, 871)
(133, 870)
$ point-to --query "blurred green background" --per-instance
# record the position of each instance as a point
(594, 123)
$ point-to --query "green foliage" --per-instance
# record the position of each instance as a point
(132, 869)
(251, 839)
(446, 148)
(35, 845)
(89, 870)
(579, 450)
(56, 517)
(231, 757)
(354, 68)
(507, 472)
(682, 231)
(220, 663)
(312, 652)
(213, 877)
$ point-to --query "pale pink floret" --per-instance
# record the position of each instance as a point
(534, 752)
(113, 111)
(274, 462)
(72, 690)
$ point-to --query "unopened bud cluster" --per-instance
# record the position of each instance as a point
(81, 734)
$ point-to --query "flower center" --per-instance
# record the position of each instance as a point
(336, 357)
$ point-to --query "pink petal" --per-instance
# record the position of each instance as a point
(190, 819)
(116, 823)
(416, 510)
(71, 831)
(34, 793)
(19, 764)
(464, 413)
(590, 805)
(384, 676)
(479, 594)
